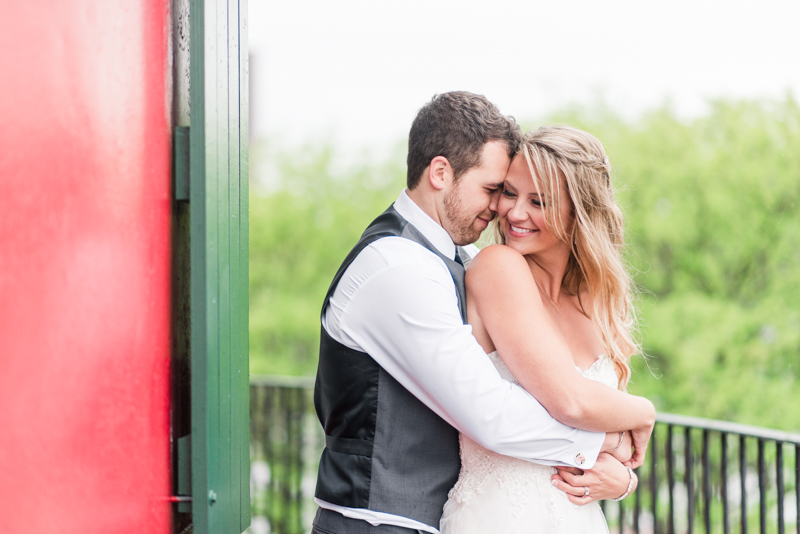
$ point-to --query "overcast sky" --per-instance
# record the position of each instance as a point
(357, 71)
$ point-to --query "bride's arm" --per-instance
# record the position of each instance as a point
(505, 297)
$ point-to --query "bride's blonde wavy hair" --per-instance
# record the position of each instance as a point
(562, 154)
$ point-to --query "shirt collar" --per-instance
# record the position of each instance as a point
(432, 230)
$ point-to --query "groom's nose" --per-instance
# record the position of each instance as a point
(495, 198)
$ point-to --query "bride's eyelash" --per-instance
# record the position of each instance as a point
(537, 203)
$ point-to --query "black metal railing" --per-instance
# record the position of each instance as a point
(701, 475)
(285, 444)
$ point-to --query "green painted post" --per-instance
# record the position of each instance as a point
(219, 264)
(243, 385)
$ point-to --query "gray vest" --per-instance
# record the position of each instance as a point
(385, 450)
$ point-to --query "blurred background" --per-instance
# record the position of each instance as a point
(696, 103)
(122, 331)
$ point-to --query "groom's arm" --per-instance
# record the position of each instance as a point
(407, 318)
(504, 295)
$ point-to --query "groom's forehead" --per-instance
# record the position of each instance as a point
(494, 161)
(488, 180)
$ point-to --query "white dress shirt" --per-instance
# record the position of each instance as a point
(398, 303)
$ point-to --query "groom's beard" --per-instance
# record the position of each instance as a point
(464, 227)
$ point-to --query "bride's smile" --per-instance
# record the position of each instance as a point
(516, 231)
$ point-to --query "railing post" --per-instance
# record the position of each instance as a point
(779, 483)
(743, 482)
(621, 512)
(689, 482)
(671, 480)
(637, 507)
(286, 461)
(297, 450)
(726, 527)
(797, 486)
(654, 480)
(762, 487)
(706, 485)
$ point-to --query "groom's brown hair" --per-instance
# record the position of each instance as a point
(456, 125)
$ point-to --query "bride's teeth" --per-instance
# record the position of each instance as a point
(520, 230)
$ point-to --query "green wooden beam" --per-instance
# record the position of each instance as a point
(219, 253)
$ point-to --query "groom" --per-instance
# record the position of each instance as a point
(400, 373)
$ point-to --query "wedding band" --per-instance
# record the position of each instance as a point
(586, 491)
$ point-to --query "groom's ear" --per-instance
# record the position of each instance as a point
(440, 173)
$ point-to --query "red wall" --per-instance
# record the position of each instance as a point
(84, 267)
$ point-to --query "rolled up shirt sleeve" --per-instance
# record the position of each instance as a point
(407, 318)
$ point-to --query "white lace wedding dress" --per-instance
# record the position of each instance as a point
(497, 494)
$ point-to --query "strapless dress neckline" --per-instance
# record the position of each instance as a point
(602, 370)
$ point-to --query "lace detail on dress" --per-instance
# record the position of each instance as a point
(484, 472)
(603, 371)
(500, 365)
(479, 463)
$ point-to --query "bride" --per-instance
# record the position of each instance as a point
(559, 267)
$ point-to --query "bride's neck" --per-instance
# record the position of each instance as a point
(548, 272)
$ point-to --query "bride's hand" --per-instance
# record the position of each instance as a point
(641, 437)
(608, 479)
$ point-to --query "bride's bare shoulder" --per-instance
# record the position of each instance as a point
(496, 263)
(500, 277)
(495, 256)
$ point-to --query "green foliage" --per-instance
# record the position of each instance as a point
(301, 228)
(713, 237)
